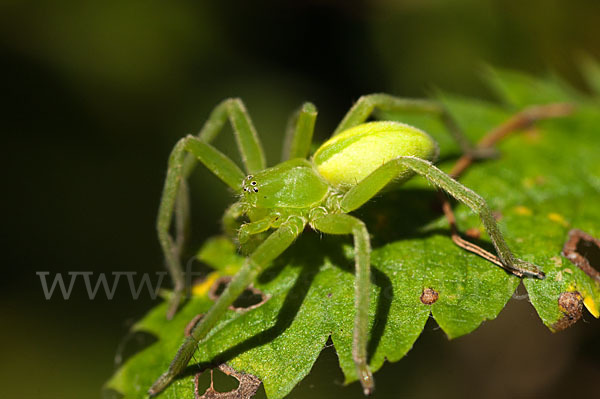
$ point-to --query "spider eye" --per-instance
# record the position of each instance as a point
(255, 189)
(253, 183)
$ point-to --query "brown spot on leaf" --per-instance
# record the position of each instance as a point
(251, 298)
(190, 326)
(248, 385)
(571, 304)
(429, 296)
(583, 250)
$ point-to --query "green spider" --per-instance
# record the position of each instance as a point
(359, 160)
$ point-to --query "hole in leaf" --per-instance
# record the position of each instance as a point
(583, 250)
(225, 383)
(590, 251)
(250, 298)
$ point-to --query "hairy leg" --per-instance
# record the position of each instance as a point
(177, 200)
(248, 229)
(371, 185)
(521, 120)
(299, 133)
(244, 132)
(346, 224)
(217, 163)
(270, 249)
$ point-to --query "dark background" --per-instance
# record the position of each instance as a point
(96, 94)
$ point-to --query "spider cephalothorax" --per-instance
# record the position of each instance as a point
(358, 161)
(291, 184)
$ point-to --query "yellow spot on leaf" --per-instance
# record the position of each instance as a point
(523, 210)
(201, 289)
(591, 306)
(567, 270)
(558, 218)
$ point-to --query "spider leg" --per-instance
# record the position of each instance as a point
(299, 133)
(245, 134)
(371, 185)
(177, 199)
(216, 162)
(522, 120)
(346, 224)
(369, 104)
(248, 229)
(270, 249)
(182, 217)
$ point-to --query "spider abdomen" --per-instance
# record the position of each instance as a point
(347, 158)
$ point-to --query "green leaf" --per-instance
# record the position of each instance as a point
(546, 182)
(520, 90)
